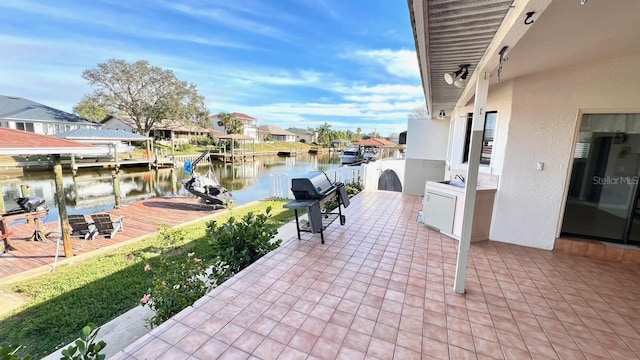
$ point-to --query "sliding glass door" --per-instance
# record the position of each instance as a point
(603, 190)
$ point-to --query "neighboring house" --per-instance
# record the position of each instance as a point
(304, 135)
(180, 131)
(275, 133)
(120, 140)
(113, 122)
(558, 135)
(249, 123)
(23, 114)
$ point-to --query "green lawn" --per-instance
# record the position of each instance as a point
(249, 146)
(97, 289)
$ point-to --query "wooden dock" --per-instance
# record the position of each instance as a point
(29, 255)
(237, 157)
(160, 162)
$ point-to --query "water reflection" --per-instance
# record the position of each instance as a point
(92, 190)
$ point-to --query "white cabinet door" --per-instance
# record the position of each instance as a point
(439, 211)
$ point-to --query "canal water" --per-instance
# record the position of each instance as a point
(92, 190)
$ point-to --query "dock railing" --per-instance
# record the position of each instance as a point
(281, 183)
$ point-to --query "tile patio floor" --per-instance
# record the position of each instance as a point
(381, 288)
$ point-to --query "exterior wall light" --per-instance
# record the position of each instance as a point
(458, 77)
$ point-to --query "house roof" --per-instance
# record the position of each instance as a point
(238, 115)
(274, 130)
(101, 135)
(18, 142)
(299, 131)
(176, 125)
(376, 142)
(127, 120)
(17, 108)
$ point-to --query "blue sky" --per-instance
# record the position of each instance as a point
(287, 63)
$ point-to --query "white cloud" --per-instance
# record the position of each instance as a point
(228, 19)
(400, 63)
(300, 77)
(228, 85)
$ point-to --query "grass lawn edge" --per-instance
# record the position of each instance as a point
(46, 269)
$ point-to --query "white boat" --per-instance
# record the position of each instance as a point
(370, 153)
(351, 155)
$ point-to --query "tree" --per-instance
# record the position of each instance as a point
(231, 124)
(90, 110)
(419, 113)
(145, 93)
(325, 134)
(358, 134)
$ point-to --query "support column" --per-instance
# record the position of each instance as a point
(2, 208)
(115, 177)
(62, 207)
(471, 183)
(74, 167)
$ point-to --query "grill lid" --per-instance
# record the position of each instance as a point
(313, 185)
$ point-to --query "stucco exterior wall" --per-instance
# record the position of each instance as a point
(426, 153)
(499, 100)
(375, 169)
(545, 111)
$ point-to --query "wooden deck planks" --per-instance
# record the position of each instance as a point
(140, 218)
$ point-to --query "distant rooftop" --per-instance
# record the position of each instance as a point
(237, 115)
(101, 134)
(17, 108)
(274, 130)
(176, 125)
(18, 142)
(299, 131)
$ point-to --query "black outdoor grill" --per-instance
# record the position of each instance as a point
(311, 192)
(31, 208)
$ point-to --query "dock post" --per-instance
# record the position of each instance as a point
(25, 190)
(2, 208)
(116, 189)
(74, 167)
(174, 181)
(62, 207)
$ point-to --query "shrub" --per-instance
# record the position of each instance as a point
(186, 147)
(10, 353)
(237, 244)
(203, 140)
(86, 347)
(353, 188)
(178, 279)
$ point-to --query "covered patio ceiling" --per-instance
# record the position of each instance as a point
(563, 33)
(449, 34)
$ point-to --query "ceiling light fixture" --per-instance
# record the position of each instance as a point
(582, 2)
(441, 115)
(458, 77)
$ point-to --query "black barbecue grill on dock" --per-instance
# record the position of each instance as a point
(311, 192)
